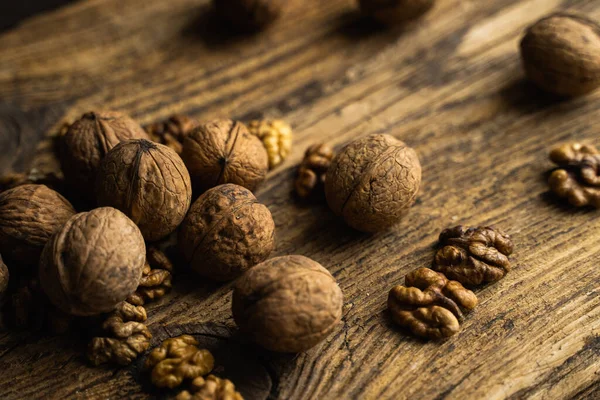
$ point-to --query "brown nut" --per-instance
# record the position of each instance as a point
(223, 151)
(211, 388)
(392, 12)
(276, 136)
(29, 216)
(4, 277)
(87, 141)
(310, 181)
(561, 54)
(177, 359)
(126, 336)
(430, 305)
(577, 177)
(473, 256)
(93, 263)
(226, 232)
(149, 183)
(372, 182)
(250, 14)
(287, 304)
(172, 131)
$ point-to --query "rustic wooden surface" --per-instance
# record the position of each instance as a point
(450, 85)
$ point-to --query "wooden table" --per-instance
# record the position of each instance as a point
(450, 85)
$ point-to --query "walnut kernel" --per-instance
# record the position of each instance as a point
(276, 136)
(392, 12)
(211, 388)
(172, 131)
(310, 181)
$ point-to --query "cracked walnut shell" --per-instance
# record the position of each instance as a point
(149, 183)
(87, 141)
(177, 359)
(473, 256)
(127, 336)
(287, 304)
(392, 12)
(226, 232)
(29, 216)
(561, 54)
(312, 172)
(577, 177)
(372, 182)
(93, 263)
(430, 305)
(276, 136)
(223, 151)
(211, 388)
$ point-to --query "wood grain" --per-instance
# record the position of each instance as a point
(450, 85)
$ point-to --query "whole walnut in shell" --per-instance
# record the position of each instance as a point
(287, 304)
(561, 54)
(392, 12)
(87, 141)
(226, 232)
(29, 216)
(223, 151)
(372, 181)
(148, 182)
(93, 263)
(250, 14)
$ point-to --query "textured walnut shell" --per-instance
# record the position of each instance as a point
(372, 181)
(29, 216)
(561, 54)
(287, 304)
(226, 232)
(250, 14)
(223, 151)
(87, 141)
(148, 182)
(392, 12)
(93, 263)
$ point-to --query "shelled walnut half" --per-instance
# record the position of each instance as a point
(172, 131)
(312, 171)
(156, 278)
(211, 388)
(430, 305)
(577, 177)
(276, 136)
(473, 256)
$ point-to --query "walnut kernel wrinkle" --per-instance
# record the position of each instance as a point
(391, 12)
(87, 141)
(429, 304)
(577, 177)
(156, 278)
(312, 172)
(149, 183)
(93, 263)
(172, 131)
(29, 216)
(226, 232)
(223, 151)
(177, 359)
(276, 136)
(287, 304)
(372, 182)
(473, 256)
(561, 54)
(211, 388)
(126, 336)
(250, 14)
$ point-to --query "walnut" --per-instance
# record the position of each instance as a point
(93, 263)
(87, 141)
(211, 388)
(372, 182)
(149, 183)
(4, 276)
(29, 216)
(156, 278)
(287, 304)
(226, 232)
(126, 336)
(250, 14)
(172, 131)
(276, 136)
(177, 359)
(392, 12)
(577, 177)
(473, 256)
(310, 181)
(430, 305)
(223, 151)
(561, 54)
